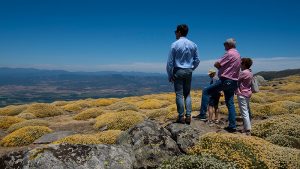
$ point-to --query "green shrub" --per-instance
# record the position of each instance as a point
(284, 140)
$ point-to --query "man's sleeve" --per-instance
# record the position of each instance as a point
(196, 58)
(170, 63)
(223, 60)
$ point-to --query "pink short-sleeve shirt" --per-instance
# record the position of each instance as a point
(244, 83)
(230, 65)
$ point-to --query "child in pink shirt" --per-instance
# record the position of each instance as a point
(244, 92)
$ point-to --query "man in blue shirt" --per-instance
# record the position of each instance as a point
(183, 60)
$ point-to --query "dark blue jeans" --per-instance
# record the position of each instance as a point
(182, 86)
(228, 86)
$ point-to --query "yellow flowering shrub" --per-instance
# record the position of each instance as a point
(122, 106)
(24, 136)
(79, 139)
(12, 110)
(274, 108)
(284, 140)
(109, 136)
(118, 120)
(291, 87)
(297, 111)
(7, 121)
(44, 110)
(152, 104)
(281, 126)
(34, 122)
(132, 99)
(246, 151)
(103, 102)
(26, 116)
(105, 137)
(76, 106)
(88, 114)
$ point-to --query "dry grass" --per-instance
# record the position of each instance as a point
(42, 110)
(118, 120)
(7, 121)
(24, 136)
(12, 110)
(88, 114)
(246, 151)
(34, 122)
(60, 103)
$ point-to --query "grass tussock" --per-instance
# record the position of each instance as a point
(118, 120)
(246, 151)
(42, 110)
(283, 130)
(12, 110)
(7, 121)
(60, 103)
(24, 136)
(88, 114)
(152, 104)
(34, 122)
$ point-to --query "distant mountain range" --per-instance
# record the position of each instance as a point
(22, 85)
(269, 75)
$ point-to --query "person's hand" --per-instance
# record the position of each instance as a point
(171, 79)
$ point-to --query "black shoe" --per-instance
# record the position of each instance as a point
(230, 130)
(203, 119)
(188, 120)
(197, 117)
(180, 120)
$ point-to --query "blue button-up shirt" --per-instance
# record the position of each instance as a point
(183, 54)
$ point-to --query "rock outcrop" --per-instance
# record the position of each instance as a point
(151, 144)
(66, 156)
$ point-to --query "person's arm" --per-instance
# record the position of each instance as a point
(222, 61)
(217, 65)
(170, 65)
(196, 58)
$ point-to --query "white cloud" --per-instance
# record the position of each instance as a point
(259, 64)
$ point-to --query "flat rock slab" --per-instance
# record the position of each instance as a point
(49, 138)
(66, 156)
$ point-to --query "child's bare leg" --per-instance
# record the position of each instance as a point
(210, 113)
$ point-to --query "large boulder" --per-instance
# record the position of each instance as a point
(151, 143)
(185, 135)
(66, 156)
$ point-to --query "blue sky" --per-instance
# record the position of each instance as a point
(136, 35)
